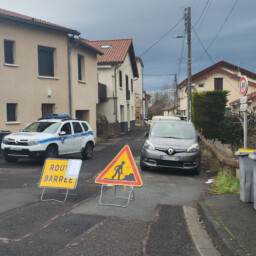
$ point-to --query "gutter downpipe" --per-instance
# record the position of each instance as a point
(69, 79)
(115, 96)
(69, 72)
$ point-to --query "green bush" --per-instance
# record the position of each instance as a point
(231, 131)
(208, 109)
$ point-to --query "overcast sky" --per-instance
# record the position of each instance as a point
(228, 26)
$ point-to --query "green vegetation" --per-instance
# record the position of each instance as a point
(226, 184)
(208, 109)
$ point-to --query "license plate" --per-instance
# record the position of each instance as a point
(170, 158)
(15, 148)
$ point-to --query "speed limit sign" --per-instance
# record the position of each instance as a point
(243, 85)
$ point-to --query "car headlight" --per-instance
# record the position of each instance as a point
(193, 148)
(33, 142)
(5, 140)
(149, 145)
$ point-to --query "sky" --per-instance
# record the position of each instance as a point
(221, 29)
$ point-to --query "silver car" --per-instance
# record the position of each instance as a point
(171, 144)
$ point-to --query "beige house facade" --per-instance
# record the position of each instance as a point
(220, 76)
(39, 74)
(117, 71)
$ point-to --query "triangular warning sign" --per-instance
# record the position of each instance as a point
(121, 171)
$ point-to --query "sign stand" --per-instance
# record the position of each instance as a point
(60, 174)
(59, 201)
(131, 196)
(122, 171)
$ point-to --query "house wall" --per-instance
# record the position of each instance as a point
(21, 84)
(85, 92)
(138, 89)
(229, 84)
(125, 109)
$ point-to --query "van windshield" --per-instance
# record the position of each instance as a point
(174, 130)
(45, 127)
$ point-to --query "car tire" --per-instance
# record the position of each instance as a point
(9, 159)
(143, 167)
(87, 151)
(51, 152)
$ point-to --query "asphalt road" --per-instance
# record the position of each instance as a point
(152, 224)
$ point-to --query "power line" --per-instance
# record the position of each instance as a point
(225, 21)
(161, 38)
(203, 46)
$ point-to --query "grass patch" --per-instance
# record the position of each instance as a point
(226, 184)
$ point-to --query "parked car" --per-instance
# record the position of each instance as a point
(50, 137)
(171, 144)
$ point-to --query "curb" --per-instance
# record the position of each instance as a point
(199, 235)
(217, 230)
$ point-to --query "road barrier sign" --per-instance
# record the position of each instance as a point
(121, 171)
(60, 174)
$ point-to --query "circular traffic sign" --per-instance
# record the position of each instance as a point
(243, 85)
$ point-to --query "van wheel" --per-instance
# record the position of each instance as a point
(51, 152)
(87, 151)
(10, 159)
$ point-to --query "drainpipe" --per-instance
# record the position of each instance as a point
(69, 71)
(115, 96)
(69, 78)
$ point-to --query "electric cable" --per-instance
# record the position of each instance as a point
(225, 21)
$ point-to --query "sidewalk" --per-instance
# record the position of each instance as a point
(230, 223)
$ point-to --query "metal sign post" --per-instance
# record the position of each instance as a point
(243, 104)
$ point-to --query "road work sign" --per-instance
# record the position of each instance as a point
(121, 171)
(60, 173)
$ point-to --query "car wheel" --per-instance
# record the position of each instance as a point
(51, 152)
(143, 167)
(9, 159)
(88, 151)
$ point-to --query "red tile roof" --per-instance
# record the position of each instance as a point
(115, 51)
(218, 67)
(4, 14)
(250, 96)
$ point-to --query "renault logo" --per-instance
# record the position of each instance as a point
(170, 151)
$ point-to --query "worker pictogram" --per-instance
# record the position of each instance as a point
(121, 171)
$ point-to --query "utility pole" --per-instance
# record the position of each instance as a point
(176, 92)
(188, 25)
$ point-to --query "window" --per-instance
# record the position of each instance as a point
(120, 79)
(77, 127)
(66, 128)
(81, 75)
(45, 61)
(218, 84)
(131, 85)
(11, 112)
(85, 127)
(8, 52)
(201, 87)
(127, 82)
(47, 109)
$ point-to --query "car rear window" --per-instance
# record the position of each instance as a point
(173, 130)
